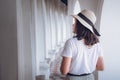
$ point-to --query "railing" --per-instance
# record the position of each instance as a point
(50, 68)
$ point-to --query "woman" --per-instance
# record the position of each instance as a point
(83, 53)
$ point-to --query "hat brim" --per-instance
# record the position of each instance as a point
(83, 23)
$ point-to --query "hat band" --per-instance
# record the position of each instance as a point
(89, 22)
(86, 19)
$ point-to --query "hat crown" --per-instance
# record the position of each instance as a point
(88, 19)
(90, 15)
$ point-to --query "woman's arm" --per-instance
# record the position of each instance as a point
(65, 65)
(100, 64)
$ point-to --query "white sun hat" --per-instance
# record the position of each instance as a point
(88, 19)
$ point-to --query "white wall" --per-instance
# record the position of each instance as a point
(89, 4)
(8, 40)
(110, 29)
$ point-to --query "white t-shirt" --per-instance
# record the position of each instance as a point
(84, 59)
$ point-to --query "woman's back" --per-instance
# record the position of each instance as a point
(84, 58)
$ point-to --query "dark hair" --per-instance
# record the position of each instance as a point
(83, 33)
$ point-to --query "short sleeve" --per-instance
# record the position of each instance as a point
(100, 50)
(67, 50)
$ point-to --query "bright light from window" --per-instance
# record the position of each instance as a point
(77, 8)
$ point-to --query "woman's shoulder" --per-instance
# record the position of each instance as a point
(74, 41)
(71, 40)
(98, 45)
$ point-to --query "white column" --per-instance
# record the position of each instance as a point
(26, 39)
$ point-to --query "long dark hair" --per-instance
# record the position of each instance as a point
(83, 33)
